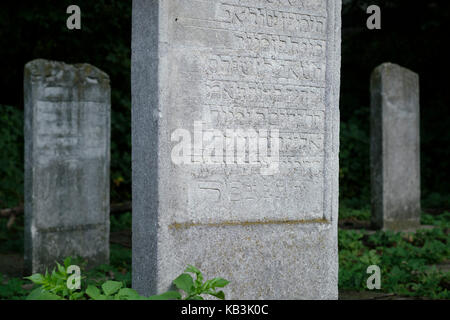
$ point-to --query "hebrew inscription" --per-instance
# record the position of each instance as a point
(267, 72)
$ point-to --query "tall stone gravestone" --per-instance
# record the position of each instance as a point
(67, 155)
(235, 145)
(395, 148)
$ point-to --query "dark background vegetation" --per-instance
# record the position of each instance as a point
(414, 34)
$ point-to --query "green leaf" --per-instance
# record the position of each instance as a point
(128, 294)
(219, 282)
(184, 282)
(67, 262)
(169, 295)
(36, 278)
(41, 294)
(214, 283)
(195, 298)
(192, 269)
(219, 294)
(94, 292)
(198, 273)
(61, 269)
(111, 287)
(59, 277)
(77, 296)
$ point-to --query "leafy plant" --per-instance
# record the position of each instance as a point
(112, 290)
(194, 289)
(53, 286)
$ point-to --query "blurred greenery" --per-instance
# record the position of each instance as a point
(411, 35)
(11, 239)
(37, 29)
(356, 214)
(11, 156)
(120, 222)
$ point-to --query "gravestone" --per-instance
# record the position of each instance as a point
(235, 131)
(67, 155)
(395, 148)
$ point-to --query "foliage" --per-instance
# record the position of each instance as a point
(354, 178)
(435, 200)
(356, 214)
(194, 289)
(11, 238)
(121, 222)
(112, 290)
(53, 286)
(11, 156)
(407, 260)
(119, 268)
(12, 288)
(442, 220)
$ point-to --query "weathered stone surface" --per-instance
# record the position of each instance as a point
(265, 67)
(395, 148)
(67, 155)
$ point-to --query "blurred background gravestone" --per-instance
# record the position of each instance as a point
(395, 148)
(67, 154)
(259, 65)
